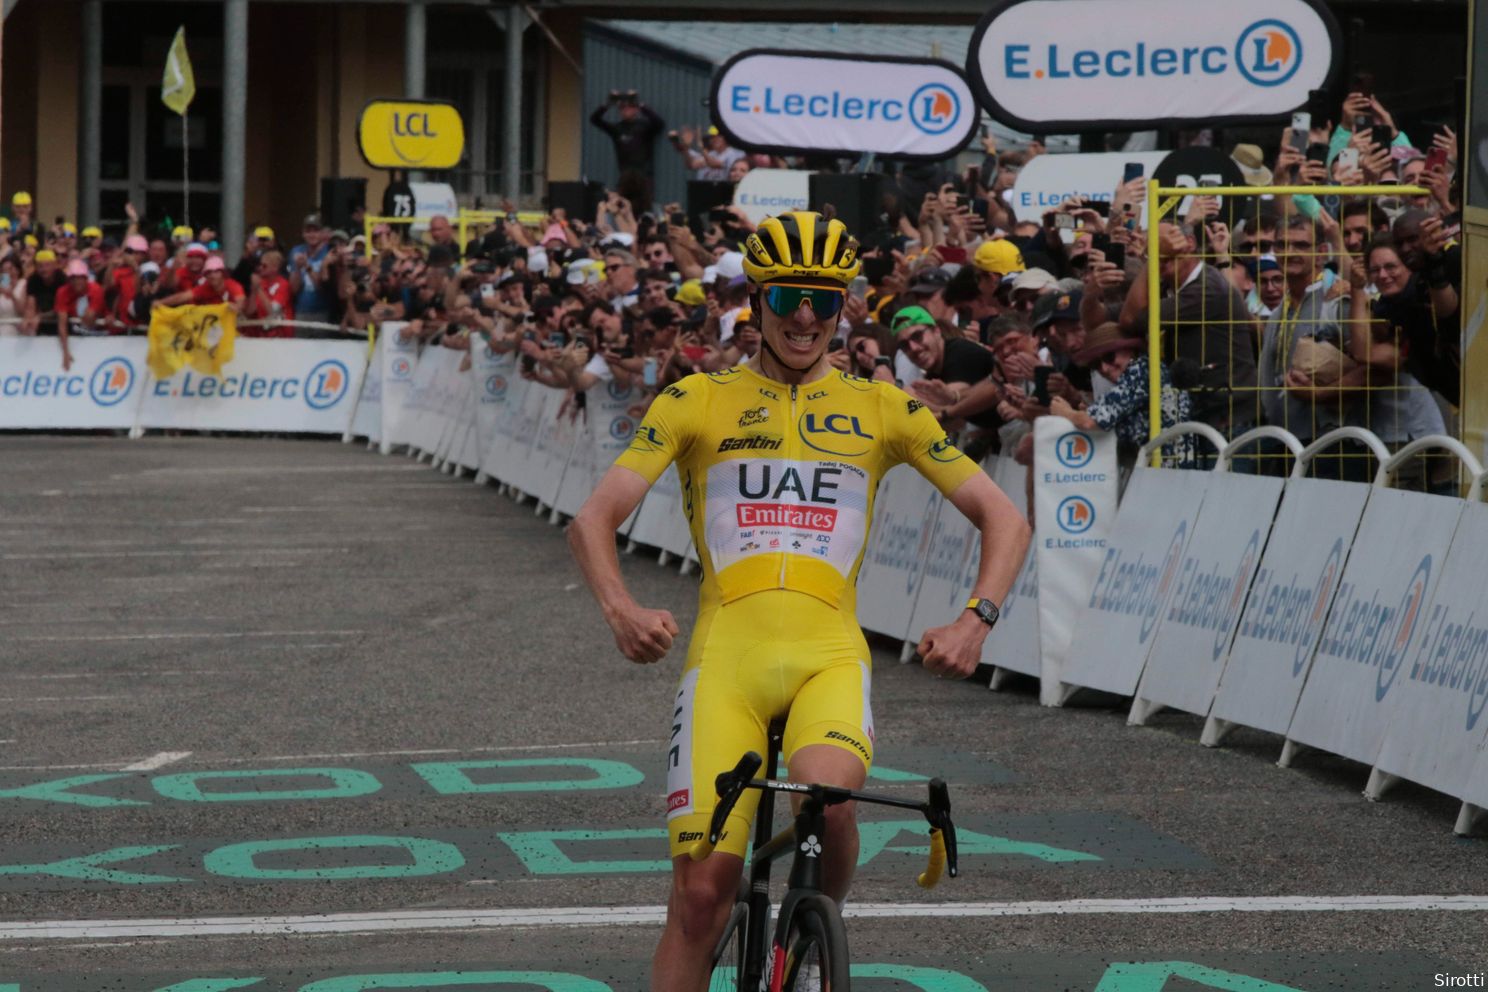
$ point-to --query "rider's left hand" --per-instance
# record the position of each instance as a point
(954, 650)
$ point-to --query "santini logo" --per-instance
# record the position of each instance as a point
(933, 108)
(1267, 53)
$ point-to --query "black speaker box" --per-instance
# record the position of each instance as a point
(339, 196)
(580, 200)
(856, 198)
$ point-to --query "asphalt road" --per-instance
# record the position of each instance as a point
(296, 680)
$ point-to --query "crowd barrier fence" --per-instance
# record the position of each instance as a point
(1336, 615)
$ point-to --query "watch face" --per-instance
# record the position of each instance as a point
(987, 610)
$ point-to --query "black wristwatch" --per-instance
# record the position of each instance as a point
(986, 611)
(883, 361)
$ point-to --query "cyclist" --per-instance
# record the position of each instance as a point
(779, 459)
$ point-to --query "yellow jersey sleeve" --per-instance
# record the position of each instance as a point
(915, 437)
(666, 432)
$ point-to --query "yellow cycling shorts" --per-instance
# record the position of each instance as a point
(770, 654)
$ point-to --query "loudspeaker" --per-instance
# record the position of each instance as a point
(857, 200)
(339, 197)
(577, 199)
(705, 194)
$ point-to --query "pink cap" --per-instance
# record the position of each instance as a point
(78, 267)
(196, 248)
(554, 233)
(136, 243)
(214, 264)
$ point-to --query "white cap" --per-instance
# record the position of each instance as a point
(624, 239)
(149, 269)
(710, 274)
(730, 264)
(537, 260)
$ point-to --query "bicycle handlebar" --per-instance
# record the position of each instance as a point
(937, 812)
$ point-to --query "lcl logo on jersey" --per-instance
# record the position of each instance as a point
(835, 434)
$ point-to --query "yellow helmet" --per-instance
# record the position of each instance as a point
(801, 243)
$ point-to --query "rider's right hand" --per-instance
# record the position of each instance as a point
(644, 636)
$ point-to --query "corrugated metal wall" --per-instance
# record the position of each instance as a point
(673, 86)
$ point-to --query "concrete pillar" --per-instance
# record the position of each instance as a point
(511, 112)
(415, 44)
(90, 113)
(234, 125)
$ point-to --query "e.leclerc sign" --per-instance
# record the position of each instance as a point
(1042, 65)
(411, 134)
(789, 102)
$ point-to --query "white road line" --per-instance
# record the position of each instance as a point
(591, 916)
(116, 675)
(56, 699)
(201, 553)
(158, 760)
(227, 635)
(411, 753)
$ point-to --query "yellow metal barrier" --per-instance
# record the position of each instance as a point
(464, 219)
(1161, 201)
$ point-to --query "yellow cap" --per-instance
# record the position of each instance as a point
(1002, 257)
(4, 223)
(181, 233)
(46, 255)
(744, 317)
(712, 132)
(31, 241)
(92, 232)
(264, 232)
(690, 293)
(69, 228)
(21, 199)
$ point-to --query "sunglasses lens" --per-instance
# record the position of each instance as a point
(786, 300)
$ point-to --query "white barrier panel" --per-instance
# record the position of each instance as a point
(1133, 582)
(366, 419)
(1378, 614)
(1438, 728)
(950, 571)
(399, 357)
(271, 384)
(610, 426)
(1074, 495)
(1014, 642)
(1289, 600)
(661, 522)
(520, 464)
(499, 398)
(102, 389)
(904, 513)
(1188, 653)
(423, 423)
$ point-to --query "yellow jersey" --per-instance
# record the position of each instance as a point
(778, 481)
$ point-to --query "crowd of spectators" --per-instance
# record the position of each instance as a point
(1306, 312)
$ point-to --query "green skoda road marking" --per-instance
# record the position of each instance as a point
(85, 868)
(552, 981)
(430, 857)
(210, 985)
(56, 791)
(924, 979)
(1152, 976)
(346, 783)
(452, 778)
(541, 854)
(874, 837)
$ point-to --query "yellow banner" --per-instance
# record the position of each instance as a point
(178, 86)
(411, 134)
(200, 336)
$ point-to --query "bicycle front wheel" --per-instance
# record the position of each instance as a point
(728, 956)
(816, 960)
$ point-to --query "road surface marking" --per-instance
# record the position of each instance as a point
(155, 761)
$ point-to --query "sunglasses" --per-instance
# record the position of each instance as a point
(784, 299)
(1266, 246)
(916, 336)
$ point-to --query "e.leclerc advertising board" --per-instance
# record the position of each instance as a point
(1072, 65)
(789, 102)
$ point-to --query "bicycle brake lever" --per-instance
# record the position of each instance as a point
(940, 804)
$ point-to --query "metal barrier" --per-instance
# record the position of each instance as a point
(1327, 404)
(465, 220)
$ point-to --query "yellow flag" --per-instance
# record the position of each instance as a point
(178, 87)
(200, 336)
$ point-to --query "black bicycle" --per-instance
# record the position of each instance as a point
(808, 947)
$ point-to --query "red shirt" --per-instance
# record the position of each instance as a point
(182, 279)
(125, 286)
(231, 292)
(76, 306)
(276, 288)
